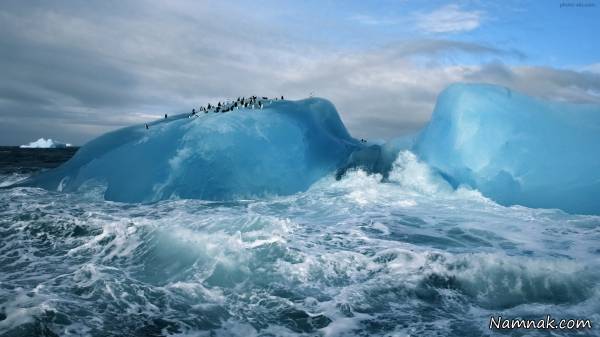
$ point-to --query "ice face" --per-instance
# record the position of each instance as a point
(280, 149)
(516, 149)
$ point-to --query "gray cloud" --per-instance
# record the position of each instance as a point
(73, 71)
(548, 83)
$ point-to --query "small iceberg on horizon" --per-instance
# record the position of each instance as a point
(43, 143)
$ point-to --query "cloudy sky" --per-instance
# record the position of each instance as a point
(71, 70)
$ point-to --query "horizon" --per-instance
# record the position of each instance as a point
(73, 71)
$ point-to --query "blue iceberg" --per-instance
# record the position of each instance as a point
(516, 149)
(244, 153)
(513, 148)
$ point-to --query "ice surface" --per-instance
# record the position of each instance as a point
(244, 153)
(45, 144)
(516, 149)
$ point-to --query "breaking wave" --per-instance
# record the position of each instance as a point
(407, 256)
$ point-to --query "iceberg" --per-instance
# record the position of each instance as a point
(516, 149)
(244, 153)
(45, 144)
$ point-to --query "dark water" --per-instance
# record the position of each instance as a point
(354, 257)
(14, 160)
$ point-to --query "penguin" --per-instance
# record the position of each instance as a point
(146, 126)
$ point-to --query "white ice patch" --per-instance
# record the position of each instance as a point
(45, 144)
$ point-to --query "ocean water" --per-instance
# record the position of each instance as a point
(354, 257)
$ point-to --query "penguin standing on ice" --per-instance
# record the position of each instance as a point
(146, 124)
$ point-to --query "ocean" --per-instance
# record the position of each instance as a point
(354, 257)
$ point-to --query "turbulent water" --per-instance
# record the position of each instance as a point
(355, 257)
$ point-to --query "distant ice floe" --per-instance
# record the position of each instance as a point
(45, 144)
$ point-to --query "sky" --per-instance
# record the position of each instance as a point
(72, 70)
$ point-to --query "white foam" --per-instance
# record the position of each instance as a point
(356, 251)
(414, 175)
(10, 179)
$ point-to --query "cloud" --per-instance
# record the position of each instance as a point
(594, 68)
(72, 72)
(76, 66)
(548, 83)
(449, 19)
(386, 93)
(441, 47)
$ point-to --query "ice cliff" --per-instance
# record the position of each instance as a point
(516, 149)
